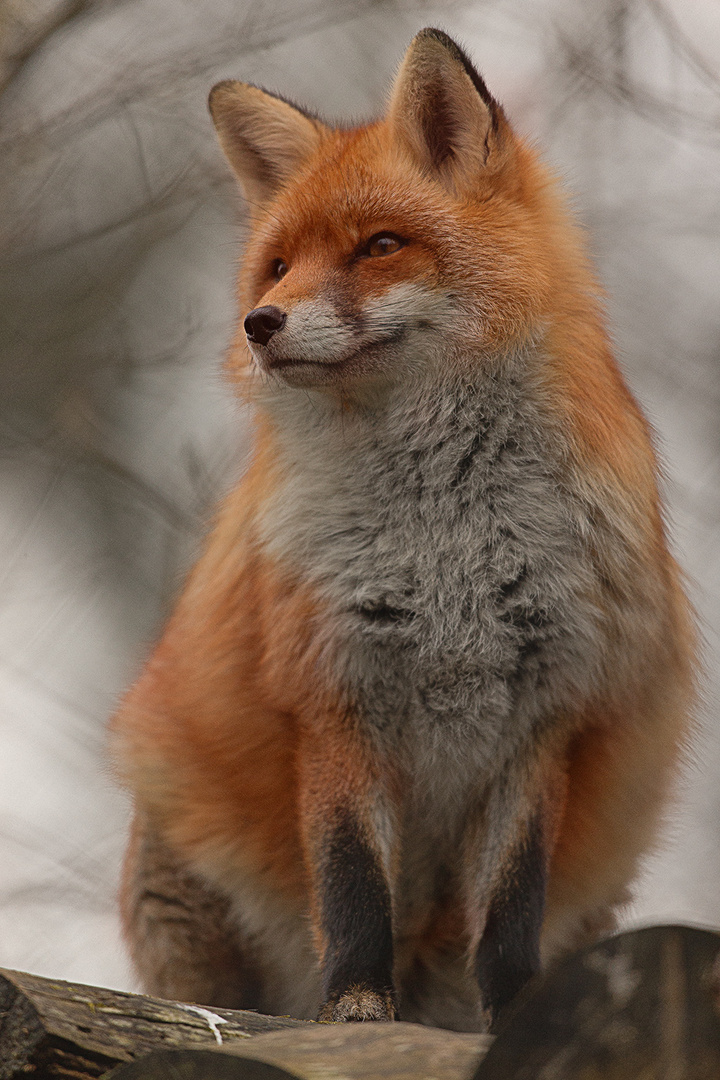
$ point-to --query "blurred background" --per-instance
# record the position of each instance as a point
(119, 233)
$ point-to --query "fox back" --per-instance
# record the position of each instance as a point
(414, 720)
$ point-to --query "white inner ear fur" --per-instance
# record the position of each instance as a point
(265, 140)
(434, 100)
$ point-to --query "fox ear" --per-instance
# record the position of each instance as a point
(265, 139)
(442, 110)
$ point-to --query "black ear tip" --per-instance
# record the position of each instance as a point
(437, 35)
(432, 33)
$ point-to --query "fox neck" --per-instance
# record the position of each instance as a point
(412, 462)
(315, 430)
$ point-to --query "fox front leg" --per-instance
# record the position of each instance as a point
(508, 954)
(356, 923)
(352, 904)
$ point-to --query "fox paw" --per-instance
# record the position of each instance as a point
(358, 1004)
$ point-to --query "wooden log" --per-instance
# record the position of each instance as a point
(66, 1031)
(52, 1029)
(199, 1065)
(640, 1006)
(324, 1052)
(58, 1029)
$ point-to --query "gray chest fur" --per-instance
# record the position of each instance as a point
(448, 550)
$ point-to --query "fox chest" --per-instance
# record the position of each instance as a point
(449, 559)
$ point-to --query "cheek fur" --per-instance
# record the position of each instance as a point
(408, 307)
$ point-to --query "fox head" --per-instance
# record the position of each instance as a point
(424, 241)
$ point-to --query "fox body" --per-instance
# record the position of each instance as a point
(414, 719)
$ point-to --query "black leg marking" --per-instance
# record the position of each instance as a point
(356, 922)
(509, 951)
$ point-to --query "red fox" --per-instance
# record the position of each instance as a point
(419, 708)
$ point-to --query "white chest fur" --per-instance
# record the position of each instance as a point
(441, 534)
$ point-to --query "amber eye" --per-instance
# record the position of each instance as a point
(383, 244)
(279, 269)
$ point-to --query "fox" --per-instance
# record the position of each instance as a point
(423, 701)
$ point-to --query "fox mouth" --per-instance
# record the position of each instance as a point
(308, 373)
(361, 361)
(285, 362)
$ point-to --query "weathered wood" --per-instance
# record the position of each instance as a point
(51, 1029)
(372, 1052)
(330, 1052)
(641, 1006)
(198, 1065)
(58, 1029)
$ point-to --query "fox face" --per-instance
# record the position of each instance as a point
(364, 310)
(402, 249)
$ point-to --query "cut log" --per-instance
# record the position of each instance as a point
(199, 1065)
(640, 1006)
(52, 1030)
(58, 1029)
(349, 1051)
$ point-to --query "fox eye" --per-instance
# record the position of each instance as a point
(383, 244)
(279, 269)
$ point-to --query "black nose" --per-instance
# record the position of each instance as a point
(261, 324)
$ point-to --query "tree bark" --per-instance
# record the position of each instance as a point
(50, 1028)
